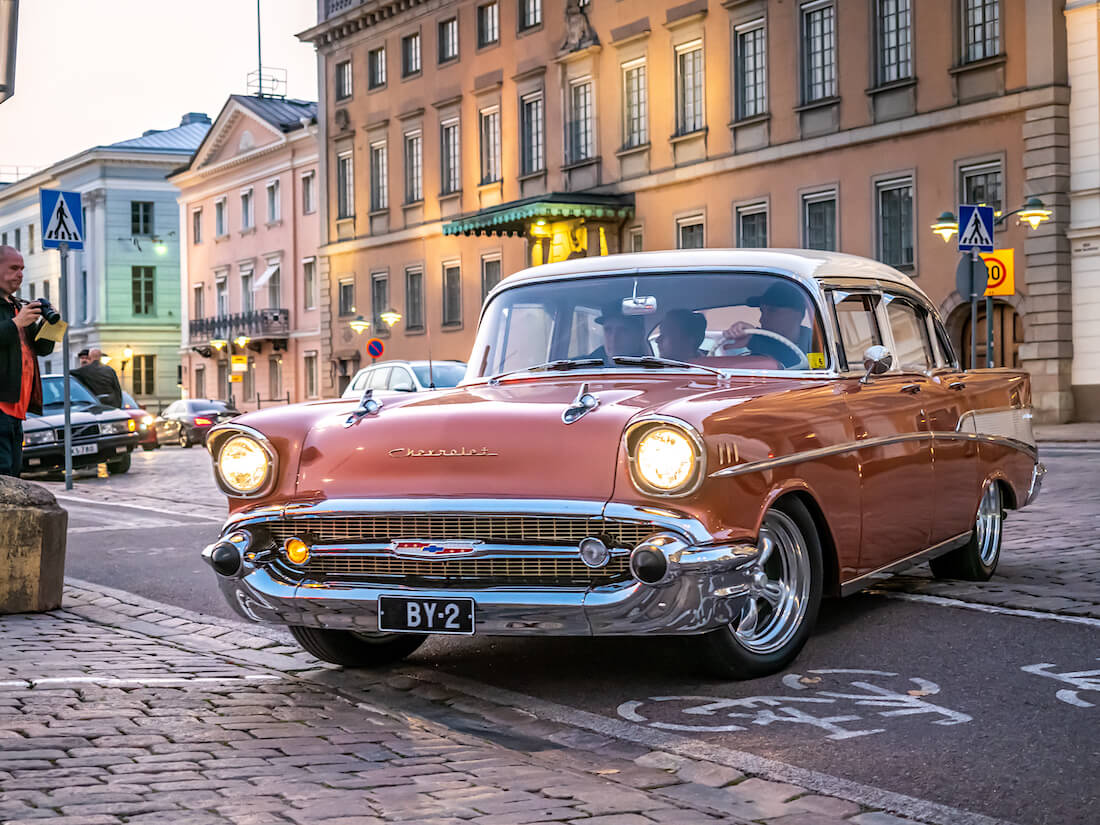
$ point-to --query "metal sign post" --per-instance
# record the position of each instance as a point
(976, 235)
(63, 248)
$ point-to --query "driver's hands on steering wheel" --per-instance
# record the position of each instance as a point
(736, 336)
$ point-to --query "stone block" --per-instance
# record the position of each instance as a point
(32, 547)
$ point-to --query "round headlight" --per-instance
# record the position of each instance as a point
(665, 459)
(243, 464)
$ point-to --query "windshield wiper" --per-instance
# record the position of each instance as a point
(562, 364)
(657, 362)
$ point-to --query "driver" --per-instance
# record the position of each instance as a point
(782, 308)
(682, 333)
(622, 334)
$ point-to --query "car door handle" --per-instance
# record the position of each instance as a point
(912, 389)
(957, 385)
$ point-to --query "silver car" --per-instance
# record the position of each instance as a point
(391, 377)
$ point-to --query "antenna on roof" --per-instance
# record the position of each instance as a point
(259, 52)
(270, 82)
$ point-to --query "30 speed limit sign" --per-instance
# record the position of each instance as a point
(1002, 271)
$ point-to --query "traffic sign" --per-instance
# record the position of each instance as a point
(975, 228)
(1002, 272)
(971, 276)
(236, 378)
(238, 363)
(62, 219)
(375, 347)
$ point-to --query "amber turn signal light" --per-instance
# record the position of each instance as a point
(297, 551)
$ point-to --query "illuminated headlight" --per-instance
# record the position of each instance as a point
(665, 459)
(243, 465)
(146, 420)
(115, 427)
(32, 437)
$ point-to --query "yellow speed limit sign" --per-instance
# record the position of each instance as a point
(1002, 271)
(236, 378)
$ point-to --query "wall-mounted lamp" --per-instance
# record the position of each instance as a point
(360, 324)
(946, 225)
(219, 343)
(390, 317)
(241, 341)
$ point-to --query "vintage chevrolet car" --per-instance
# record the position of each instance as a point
(701, 443)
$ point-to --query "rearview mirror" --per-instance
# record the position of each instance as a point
(876, 360)
(640, 305)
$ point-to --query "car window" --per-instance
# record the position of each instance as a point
(359, 381)
(53, 393)
(379, 377)
(908, 325)
(401, 381)
(441, 374)
(855, 318)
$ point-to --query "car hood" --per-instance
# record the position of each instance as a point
(88, 416)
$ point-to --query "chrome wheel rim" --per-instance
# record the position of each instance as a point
(987, 527)
(779, 590)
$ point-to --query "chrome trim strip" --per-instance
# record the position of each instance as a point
(858, 583)
(221, 433)
(880, 441)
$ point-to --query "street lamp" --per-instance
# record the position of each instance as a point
(1033, 212)
(360, 324)
(390, 316)
(946, 225)
(241, 341)
(219, 343)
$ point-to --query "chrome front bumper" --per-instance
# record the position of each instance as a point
(1037, 474)
(704, 588)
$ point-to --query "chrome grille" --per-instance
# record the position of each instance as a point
(492, 529)
(80, 431)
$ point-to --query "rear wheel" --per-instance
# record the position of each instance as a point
(784, 596)
(119, 465)
(352, 649)
(977, 559)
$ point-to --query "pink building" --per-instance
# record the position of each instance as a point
(249, 226)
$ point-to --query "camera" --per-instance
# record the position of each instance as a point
(51, 315)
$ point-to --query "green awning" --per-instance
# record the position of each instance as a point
(514, 217)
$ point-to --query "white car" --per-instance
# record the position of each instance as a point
(391, 377)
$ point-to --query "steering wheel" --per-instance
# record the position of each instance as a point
(803, 362)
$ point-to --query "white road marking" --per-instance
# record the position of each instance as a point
(1081, 679)
(126, 506)
(145, 681)
(943, 601)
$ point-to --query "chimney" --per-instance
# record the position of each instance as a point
(194, 117)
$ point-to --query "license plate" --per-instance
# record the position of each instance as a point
(404, 615)
(84, 449)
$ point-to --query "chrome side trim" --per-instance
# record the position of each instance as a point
(858, 583)
(220, 433)
(880, 441)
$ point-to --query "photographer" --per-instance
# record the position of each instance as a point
(20, 384)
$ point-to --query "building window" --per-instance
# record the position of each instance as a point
(452, 295)
(534, 152)
(488, 25)
(46, 289)
(145, 375)
(345, 186)
(220, 225)
(19, 239)
(894, 35)
(379, 301)
(30, 238)
(635, 105)
(530, 14)
(689, 88)
(751, 80)
(141, 217)
(309, 199)
(414, 181)
(981, 183)
(347, 296)
(689, 233)
(895, 222)
(248, 386)
(410, 54)
(246, 209)
(310, 370)
(376, 68)
(3, 238)
(200, 382)
(580, 146)
(343, 80)
(309, 284)
(379, 179)
(221, 295)
(199, 304)
(818, 51)
(981, 29)
(450, 156)
(275, 288)
(274, 208)
(634, 241)
(752, 226)
(819, 221)
(274, 377)
(490, 274)
(196, 226)
(490, 145)
(414, 299)
(248, 298)
(142, 290)
(223, 376)
(85, 310)
(448, 40)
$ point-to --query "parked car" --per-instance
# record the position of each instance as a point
(578, 484)
(389, 378)
(145, 428)
(188, 421)
(99, 433)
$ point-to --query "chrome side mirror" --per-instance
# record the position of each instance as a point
(876, 360)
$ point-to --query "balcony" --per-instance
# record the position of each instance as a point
(335, 7)
(258, 324)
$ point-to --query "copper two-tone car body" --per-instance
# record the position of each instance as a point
(569, 488)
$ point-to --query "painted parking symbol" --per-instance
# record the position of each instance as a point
(1081, 680)
(843, 703)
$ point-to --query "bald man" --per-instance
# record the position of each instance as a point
(99, 378)
(20, 383)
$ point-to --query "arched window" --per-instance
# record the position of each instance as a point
(1008, 334)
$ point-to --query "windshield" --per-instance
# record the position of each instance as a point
(732, 321)
(444, 374)
(53, 393)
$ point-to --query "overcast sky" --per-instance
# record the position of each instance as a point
(92, 72)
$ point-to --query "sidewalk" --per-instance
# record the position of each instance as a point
(124, 711)
(1084, 431)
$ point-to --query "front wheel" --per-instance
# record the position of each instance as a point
(977, 559)
(119, 465)
(784, 596)
(352, 649)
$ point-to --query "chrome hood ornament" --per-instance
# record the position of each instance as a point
(368, 405)
(583, 404)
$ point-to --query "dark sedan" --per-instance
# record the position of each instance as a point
(187, 422)
(100, 433)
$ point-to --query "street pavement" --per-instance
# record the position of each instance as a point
(943, 702)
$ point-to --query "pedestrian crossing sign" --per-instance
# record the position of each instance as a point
(62, 219)
(975, 228)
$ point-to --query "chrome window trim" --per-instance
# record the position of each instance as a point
(693, 435)
(220, 435)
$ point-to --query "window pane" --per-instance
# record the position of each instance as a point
(533, 148)
(450, 157)
(982, 28)
(379, 184)
(490, 146)
(490, 275)
(414, 299)
(894, 37)
(488, 26)
(752, 229)
(410, 54)
(914, 350)
(580, 127)
(819, 53)
(452, 295)
(982, 184)
(689, 90)
(414, 190)
(858, 328)
(691, 235)
(820, 224)
(895, 215)
(380, 302)
(751, 73)
(636, 102)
